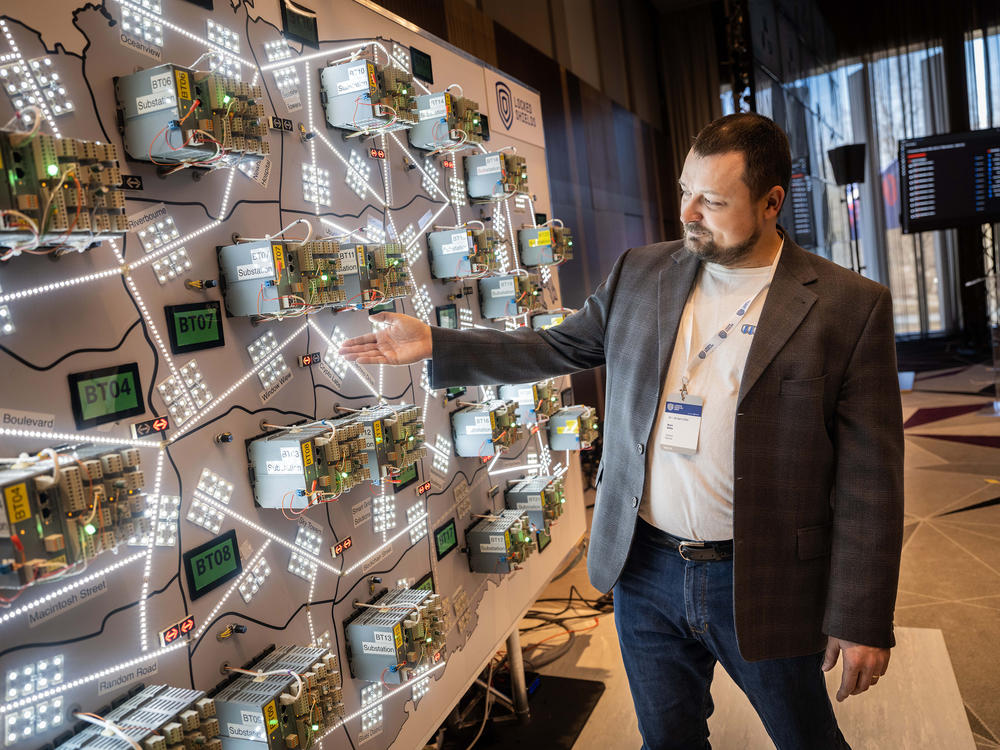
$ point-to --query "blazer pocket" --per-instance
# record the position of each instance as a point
(813, 541)
(805, 388)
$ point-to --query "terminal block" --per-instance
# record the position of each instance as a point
(573, 428)
(172, 115)
(544, 246)
(499, 542)
(401, 631)
(507, 296)
(64, 192)
(275, 712)
(493, 177)
(462, 252)
(544, 320)
(540, 498)
(445, 122)
(159, 717)
(485, 429)
(65, 516)
(362, 96)
(270, 279)
(301, 465)
(534, 400)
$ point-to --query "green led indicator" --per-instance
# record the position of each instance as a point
(53, 170)
(90, 529)
(226, 99)
(324, 277)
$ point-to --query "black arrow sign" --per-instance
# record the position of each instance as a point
(131, 182)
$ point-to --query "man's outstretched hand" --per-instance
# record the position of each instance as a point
(403, 341)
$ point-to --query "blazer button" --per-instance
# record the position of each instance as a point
(635, 502)
(639, 448)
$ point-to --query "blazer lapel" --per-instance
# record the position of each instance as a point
(675, 282)
(786, 305)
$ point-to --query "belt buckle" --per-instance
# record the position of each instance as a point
(693, 545)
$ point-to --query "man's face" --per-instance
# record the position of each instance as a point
(721, 221)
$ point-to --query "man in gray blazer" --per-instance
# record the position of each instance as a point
(750, 498)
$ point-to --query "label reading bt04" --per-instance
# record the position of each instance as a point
(18, 507)
(681, 424)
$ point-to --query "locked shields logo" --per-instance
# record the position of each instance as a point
(505, 104)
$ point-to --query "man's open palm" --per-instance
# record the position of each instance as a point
(402, 341)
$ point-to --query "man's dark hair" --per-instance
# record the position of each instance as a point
(768, 160)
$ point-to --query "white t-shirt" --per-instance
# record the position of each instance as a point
(691, 496)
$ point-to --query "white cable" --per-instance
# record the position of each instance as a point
(109, 726)
(456, 86)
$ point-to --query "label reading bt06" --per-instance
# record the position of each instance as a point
(681, 424)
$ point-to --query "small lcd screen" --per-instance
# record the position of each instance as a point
(194, 327)
(212, 564)
(406, 477)
(299, 23)
(543, 540)
(447, 316)
(420, 64)
(105, 395)
(424, 584)
(445, 538)
(389, 306)
(454, 392)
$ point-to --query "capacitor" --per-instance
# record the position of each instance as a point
(201, 284)
(224, 437)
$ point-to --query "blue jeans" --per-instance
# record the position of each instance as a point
(675, 620)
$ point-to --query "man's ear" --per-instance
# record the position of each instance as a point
(773, 201)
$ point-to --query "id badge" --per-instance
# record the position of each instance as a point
(681, 424)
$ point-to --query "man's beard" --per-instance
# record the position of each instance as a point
(707, 249)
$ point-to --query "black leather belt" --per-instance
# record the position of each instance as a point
(693, 551)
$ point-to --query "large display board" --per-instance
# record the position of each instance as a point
(126, 348)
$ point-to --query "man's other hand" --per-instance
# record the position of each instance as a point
(863, 665)
(403, 341)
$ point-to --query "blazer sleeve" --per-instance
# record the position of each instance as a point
(481, 356)
(867, 531)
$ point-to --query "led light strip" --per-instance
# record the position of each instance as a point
(350, 365)
(151, 328)
(150, 546)
(417, 165)
(273, 537)
(309, 614)
(171, 246)
(30, 77)
(246, 376)
(79, 437)
(513, 238)
(21, 294)
(388, 541)
(347, 164)
(378, 702)
(225, 194)
(309, 116)
(64, 687)
(77, 582)
(139, 10)
(247, 571)
(325, 54)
